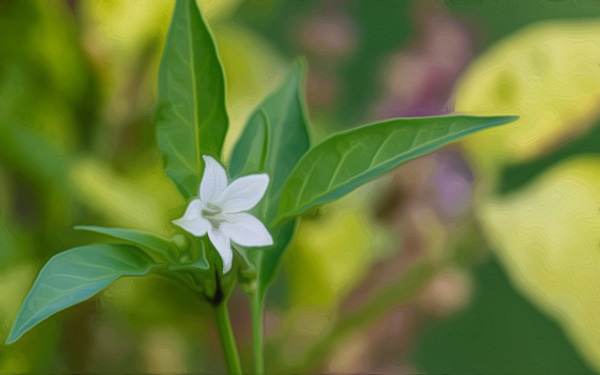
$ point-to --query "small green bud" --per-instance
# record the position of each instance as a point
(181, 242)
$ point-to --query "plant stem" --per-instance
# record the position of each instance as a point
(227, 340)
(257, 309)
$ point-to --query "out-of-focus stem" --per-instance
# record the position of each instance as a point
(384, 300)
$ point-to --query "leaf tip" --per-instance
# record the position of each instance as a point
(14, 335)
(501, 120)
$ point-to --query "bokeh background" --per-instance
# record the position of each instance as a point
(481, 258)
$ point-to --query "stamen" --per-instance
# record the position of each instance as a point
(209, 213)
(210, 210)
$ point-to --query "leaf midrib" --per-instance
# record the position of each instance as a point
(370, 168)
(293, 95)
(192, 64)
(113, 278)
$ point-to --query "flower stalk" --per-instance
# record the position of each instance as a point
(227, 340)
(257, 312)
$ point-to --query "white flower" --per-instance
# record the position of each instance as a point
(218, 212)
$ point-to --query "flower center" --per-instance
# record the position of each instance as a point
(214, 214)
(208, 212)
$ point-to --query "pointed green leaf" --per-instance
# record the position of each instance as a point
(267, 260)
(74, 276)
(192, 120)
(156, 245)
(273, 141)
(274, 138)
(349, 159)
(250, 152)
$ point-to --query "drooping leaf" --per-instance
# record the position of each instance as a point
(156, 245)
(349, 159)
(74, 276)
(273, 141)
(192, 119)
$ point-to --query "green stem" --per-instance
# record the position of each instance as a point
(227, 340)
(257, 309)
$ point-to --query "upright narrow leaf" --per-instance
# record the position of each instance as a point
(273, 141)
(349, 159)
(251, 150)
(74, 276)
(275, 138)
(192, 120)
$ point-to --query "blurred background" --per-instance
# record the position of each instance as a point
(481, 258)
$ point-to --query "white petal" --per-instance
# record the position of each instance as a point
(244, 193)
(214, 180)
(193, 210)
(223, 246)
(192, 221)
(246, 230)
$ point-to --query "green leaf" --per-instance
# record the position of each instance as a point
(267, 260)
(250, 152)
(349, 159)
(154, 244)
(192, 119)
(273, 141)
(274, 138)
(74, 276)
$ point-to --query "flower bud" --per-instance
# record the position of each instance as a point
(181, 242)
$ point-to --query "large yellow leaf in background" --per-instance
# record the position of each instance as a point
(549, 74)
(547, 235)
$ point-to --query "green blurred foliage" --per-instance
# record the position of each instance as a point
(499, 333)
(374, 29)
(497, 19)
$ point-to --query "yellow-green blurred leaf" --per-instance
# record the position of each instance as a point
(549, 75)
(548, 236)
(142, 202)
(331, 253)
(548, 233)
